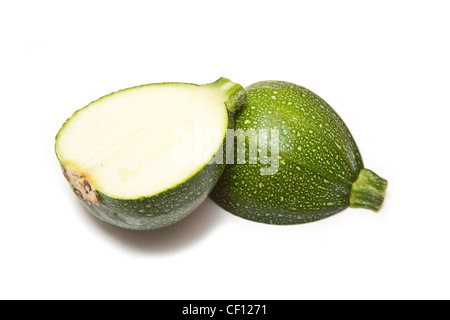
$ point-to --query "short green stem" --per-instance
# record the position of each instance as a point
(234, 93)
(368, 191)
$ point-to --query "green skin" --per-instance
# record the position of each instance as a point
(161, 210)
(319, 161)
(172, 205)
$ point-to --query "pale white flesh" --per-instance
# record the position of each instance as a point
(144, 140)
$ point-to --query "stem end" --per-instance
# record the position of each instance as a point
(234, 93)
(368, 191)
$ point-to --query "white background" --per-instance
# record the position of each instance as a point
(383, 66)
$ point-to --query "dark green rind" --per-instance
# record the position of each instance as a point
(161, 210)
(278, 199)
(319, 159)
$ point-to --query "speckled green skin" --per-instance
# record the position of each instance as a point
(319, 160)
(161, 210)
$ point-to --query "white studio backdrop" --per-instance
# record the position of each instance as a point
(383, 66)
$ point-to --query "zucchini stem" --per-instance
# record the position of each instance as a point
(234, 94)
(368, 191)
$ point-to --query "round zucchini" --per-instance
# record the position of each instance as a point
(140, 158)
(315, 168)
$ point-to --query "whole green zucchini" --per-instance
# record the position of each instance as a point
(315, 168)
